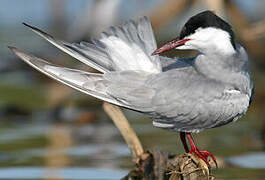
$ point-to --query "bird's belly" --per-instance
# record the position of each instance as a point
(204, 115)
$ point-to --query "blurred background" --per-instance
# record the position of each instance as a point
(49, 131)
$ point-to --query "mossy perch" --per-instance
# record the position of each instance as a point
(127, 132)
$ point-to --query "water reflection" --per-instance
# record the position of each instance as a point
(77, 173)
(250, 160)
(60, 138)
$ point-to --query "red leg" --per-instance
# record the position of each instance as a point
(183, 140)
(201, 154)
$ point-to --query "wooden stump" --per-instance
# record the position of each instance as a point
(162, 166)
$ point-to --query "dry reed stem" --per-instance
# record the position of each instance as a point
(127, 132)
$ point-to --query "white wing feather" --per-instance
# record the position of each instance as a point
(128, 47)
(128, 57)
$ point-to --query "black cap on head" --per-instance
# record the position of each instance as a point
(203, 20)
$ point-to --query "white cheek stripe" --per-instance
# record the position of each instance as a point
(206, 38)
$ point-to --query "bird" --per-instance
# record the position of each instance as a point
(183, 95)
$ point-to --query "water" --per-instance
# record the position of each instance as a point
(250, 160)
(66, 173)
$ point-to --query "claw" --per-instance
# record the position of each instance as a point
(206, 153)
(201, 154)
(204, 156)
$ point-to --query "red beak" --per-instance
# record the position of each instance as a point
(170, 45)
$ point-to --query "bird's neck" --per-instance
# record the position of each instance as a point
(229, 69)
(215, 66)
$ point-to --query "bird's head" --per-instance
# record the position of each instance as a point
(205, 32)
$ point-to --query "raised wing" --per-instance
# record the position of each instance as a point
(127, 47)
(140, 34)
(89, 54)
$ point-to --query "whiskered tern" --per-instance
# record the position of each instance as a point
(186, 95)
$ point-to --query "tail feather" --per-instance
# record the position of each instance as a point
(89, 83)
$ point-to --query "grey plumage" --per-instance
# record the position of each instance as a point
(187, 95)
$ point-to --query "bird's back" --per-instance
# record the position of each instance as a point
(189, 99)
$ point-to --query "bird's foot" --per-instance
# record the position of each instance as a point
(204, 156)
(201, 154)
